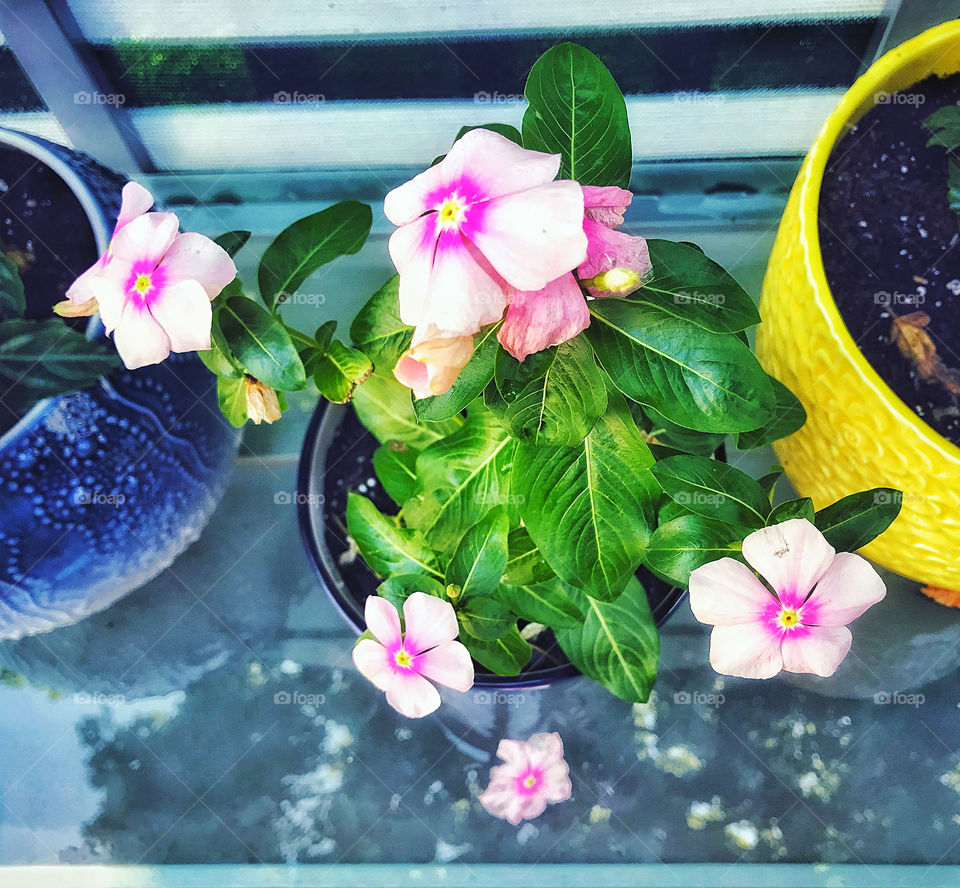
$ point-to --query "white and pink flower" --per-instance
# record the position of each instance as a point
(799, 623)
(403, 663)
(534, 774)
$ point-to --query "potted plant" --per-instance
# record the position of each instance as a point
(857, 305)
(107, 473)
(570, 383)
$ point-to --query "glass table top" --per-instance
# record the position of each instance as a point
(210, 729)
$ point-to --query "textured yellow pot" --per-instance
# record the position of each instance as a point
(858, 434)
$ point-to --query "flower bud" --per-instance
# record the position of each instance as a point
(616, 280)
(70, 309)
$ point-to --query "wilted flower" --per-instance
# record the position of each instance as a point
(262, 402)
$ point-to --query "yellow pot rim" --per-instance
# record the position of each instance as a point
(882, 76)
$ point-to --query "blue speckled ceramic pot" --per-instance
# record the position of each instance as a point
(102, 489)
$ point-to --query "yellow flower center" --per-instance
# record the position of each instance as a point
(530, 782)
(451, 212)
(142, 284)
(788, 618)
(403, 658)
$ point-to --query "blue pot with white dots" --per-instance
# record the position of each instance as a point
(101, 489)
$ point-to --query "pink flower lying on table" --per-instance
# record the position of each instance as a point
(533, 774)
(403, 663)
(800, 626)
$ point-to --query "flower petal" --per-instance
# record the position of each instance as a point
(432, 366)
(80, 290)
(480, 165)
(538, 320)
(182, 308)
(790, 556)
(531, 237)
(146, 237)
(746, 650)
(500, 799)
(412, 695)
(382, 620)
(428, 621)
(139, 339)
(544, 749)
(726, 592)
(608, 249)
(448, 664)
(605, 204)
(135, 200)
(197, 258)
(412, 248)
(849, 586)
(819, 650)
(373, 663)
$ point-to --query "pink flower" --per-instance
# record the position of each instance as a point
(154, 291)
(558, 312)
(431, 366)
(534, 774)
(135, 200)
(401, 663)
(801, 625)
(488, 217)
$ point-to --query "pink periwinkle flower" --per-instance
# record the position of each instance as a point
(404, 663)
(534, 774)
(155, 289)
(799, 624)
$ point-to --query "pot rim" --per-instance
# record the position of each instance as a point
(37, 148)
(896, 70)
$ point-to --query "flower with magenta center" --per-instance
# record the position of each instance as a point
(800, 623)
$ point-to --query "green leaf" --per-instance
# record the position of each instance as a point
(525, 564)
(701, 380)
(504, 129)
(590, 508)
(386, 409)
(769, 481)
(687, 284)
(473, 379)
(387, 548)
(953, 186)
(547, 603)
(218, 363)
(377, 329)
(398, 589)
(577, 111)
(944, 125)
(788, 416)
(617, 644)
(797, 508)
(232, 398)
(340, 370)
(485, 618)
(49, 358)
(461, 478)
(13, 303)
(260, 343)
(232, 241)
(685, 543)
(479, 560)
(714, 489)
(506, 655)
(301, 248)
(677, 437)
(554, 396)
(852, 522)
(395, 465)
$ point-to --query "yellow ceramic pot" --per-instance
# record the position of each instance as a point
(858, 434)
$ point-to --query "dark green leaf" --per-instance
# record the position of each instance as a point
(545, 603)
(485, 618)
(387, 548)
(687, 284)
(769, 481)
(377, 329)
(340, 370)
(479, 560)
(852, 522)
(590, 508)
(685, 543)
(714, 489)
(395, 465)
(554, 396)
(397, 589)
(386, 409)
(697, 379)
(218, 363)
(617, 644)
(232, 241)
(260, 343)
(577, 111)
(788, 416)
(944, 125)
(12, 300)
(506, 655)
(472, 380)
(797, 508)
(678, 438)
(232, 398)
(301, 248)
(525, 564)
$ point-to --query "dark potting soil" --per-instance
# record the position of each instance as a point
(890, 247)
(44, 231)
(349, 466)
